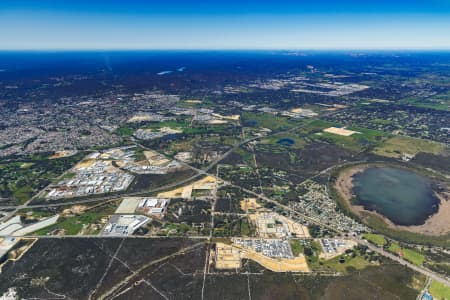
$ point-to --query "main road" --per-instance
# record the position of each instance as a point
(372, 247)
(205, 171)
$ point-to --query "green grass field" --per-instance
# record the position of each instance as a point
(265, 120)
(439, 291)
(297, 247)
(316, 126)
(358, 141)
(398, 145)
(408, 254)
(376, 239)
(381, 121)
(356, 262)
(172, 124)
(438, 102)
(22, 178)
(72, 225)
(125, 131)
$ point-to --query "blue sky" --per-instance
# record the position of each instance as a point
(217, 24)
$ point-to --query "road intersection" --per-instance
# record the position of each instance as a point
(206, 172)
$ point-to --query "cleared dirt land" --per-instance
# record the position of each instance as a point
(230, 257)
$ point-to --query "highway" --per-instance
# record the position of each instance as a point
(62, 237)
(372, 247)
(17, 208)
(200, 172)
(205, 171)
(426, 272)
(105, 198)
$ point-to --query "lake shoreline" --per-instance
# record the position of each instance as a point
(436, 224)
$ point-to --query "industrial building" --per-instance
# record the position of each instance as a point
(123, 225)
(152, 206)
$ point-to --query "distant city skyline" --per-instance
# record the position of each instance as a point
(128, 25)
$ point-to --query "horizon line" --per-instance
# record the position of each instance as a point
(407, 49)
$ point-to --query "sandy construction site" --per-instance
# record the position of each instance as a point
(249, 204)
(63, 153)
(185, 192)
(297, 264)
(155, 159)
(273, 225)
(227, 257)
(230, 257)
(340, 131)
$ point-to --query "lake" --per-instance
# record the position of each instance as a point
(286, 142)
(402, 196)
